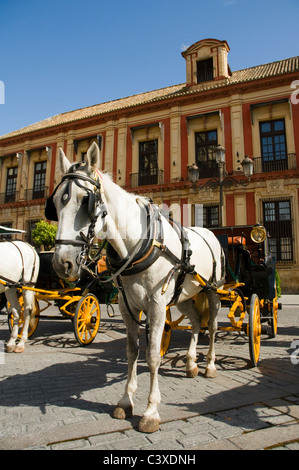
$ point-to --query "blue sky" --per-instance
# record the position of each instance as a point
(60, 55)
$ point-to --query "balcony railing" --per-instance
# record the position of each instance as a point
(36, 194)
(208, 169)
(5, 198)
(138, 179)
(262, 165)
(29, 195)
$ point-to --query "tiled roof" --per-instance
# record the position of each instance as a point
(254, 73)
(268, 70)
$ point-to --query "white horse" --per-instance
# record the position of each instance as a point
(151, 260)
(19, 266)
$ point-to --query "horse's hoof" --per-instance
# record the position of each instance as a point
(122, 413)
(211, 373)
(191, 373)
(20, 349)
(149, 425)
(10, 348)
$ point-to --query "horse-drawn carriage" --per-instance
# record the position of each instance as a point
(249, 292)
(157, 263)
(79, 302)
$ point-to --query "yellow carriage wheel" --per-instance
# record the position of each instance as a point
(33, 322)
(87, 319)
(166, 335)
(254, 329)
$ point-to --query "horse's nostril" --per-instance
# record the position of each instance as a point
(68, 266)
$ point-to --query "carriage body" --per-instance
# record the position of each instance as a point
(248, 261)
(249, 290)
(79, 302)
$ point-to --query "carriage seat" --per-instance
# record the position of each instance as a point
(101, 264)
(235, 251)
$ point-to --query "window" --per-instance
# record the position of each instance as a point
(31, 225)
(148, 162)
(278, 221)
(11, 184)
(211, 216)
(39, 180)
(205, 143)
(205, 70)
(273, 145)
(205, 216)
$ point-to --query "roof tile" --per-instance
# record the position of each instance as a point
(245, 75)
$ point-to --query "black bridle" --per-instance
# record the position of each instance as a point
(95, 207)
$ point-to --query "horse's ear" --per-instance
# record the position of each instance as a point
(93, 157)
(64, 163)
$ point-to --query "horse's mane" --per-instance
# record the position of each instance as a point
(107, 177)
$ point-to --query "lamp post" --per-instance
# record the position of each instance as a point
(220, 159)
(222, 181)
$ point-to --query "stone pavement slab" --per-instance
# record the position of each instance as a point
(57, 395)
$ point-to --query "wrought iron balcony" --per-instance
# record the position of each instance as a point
(208, 169)
(144, 179)
(266, 165)
(12, 197)
(34, 193)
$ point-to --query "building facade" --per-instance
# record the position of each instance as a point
(149, 140)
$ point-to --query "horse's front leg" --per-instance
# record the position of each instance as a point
(125, 406)
(151, 420)
(214, 307)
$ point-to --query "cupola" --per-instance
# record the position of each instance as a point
(206, 61)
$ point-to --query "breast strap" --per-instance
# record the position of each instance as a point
(148, 252)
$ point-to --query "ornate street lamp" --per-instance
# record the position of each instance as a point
(247, 165)
(222, 180)
(193, 173)
(220, 154)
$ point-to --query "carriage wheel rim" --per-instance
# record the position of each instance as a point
(254, 329)
(274, 320)
(87, 319)
(33, 322)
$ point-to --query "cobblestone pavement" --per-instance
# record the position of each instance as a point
(59, 396)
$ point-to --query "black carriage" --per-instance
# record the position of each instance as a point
(250, 288)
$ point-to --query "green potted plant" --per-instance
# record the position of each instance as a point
(44, 235)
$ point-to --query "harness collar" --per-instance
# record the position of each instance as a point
(146, 252)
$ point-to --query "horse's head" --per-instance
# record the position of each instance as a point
(78, 206)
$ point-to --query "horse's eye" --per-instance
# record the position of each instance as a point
(85, 201)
